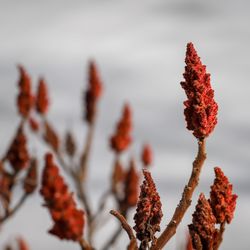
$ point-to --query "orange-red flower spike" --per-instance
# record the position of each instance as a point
(200, 107)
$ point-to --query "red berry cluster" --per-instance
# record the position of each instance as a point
(68, 220)
(121, 140)
(93, 93)
(200, 107)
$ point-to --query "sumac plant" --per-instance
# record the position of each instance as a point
(69, 207)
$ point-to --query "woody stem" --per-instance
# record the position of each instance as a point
(84, 245)
(185, 201)
(14, 209)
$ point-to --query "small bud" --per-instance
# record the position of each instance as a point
(25, 99)
(147, 155)
(42, 97)
(121, 140)
(93, 93)
(70, 144)
(34, 125)
(30, 182)
(50, 136)
(131, 185)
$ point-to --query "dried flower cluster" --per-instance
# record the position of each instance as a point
(121, 140)
(200, 107)
(219, 209)
(68, 220)
(17, 163)
(42, 98)
(202, 229)
(148, 212)
(25, 99)
(222, 199)
(131, 183)
(18, 155)
(93, 93)
(147, 155)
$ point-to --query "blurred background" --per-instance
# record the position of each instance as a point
(139, 47)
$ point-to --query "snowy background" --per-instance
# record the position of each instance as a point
(139, 47)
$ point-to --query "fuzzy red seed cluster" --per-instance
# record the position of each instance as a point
(222, 199)
(202, 229)
(93, 93)
(42, 97)
(148, 212)
(147, 155)
(18, 155)
(25, 98)
(200, 107)
(131, 185)
(121, 139)
(68, 220)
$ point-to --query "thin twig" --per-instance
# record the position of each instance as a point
(185, 201)
(116, 234)
(102, 204)
(124, 224)
(86, 152)
(14, 209)
(83, 198)
(133, 243)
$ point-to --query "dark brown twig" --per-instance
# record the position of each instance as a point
(185, 201)
(124, 224)
(118, 231)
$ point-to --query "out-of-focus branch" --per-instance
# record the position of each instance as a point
(185, 201)
(86, 152)
(12, 211)
(114, 237)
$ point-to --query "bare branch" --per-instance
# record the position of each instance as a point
(185, 201)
